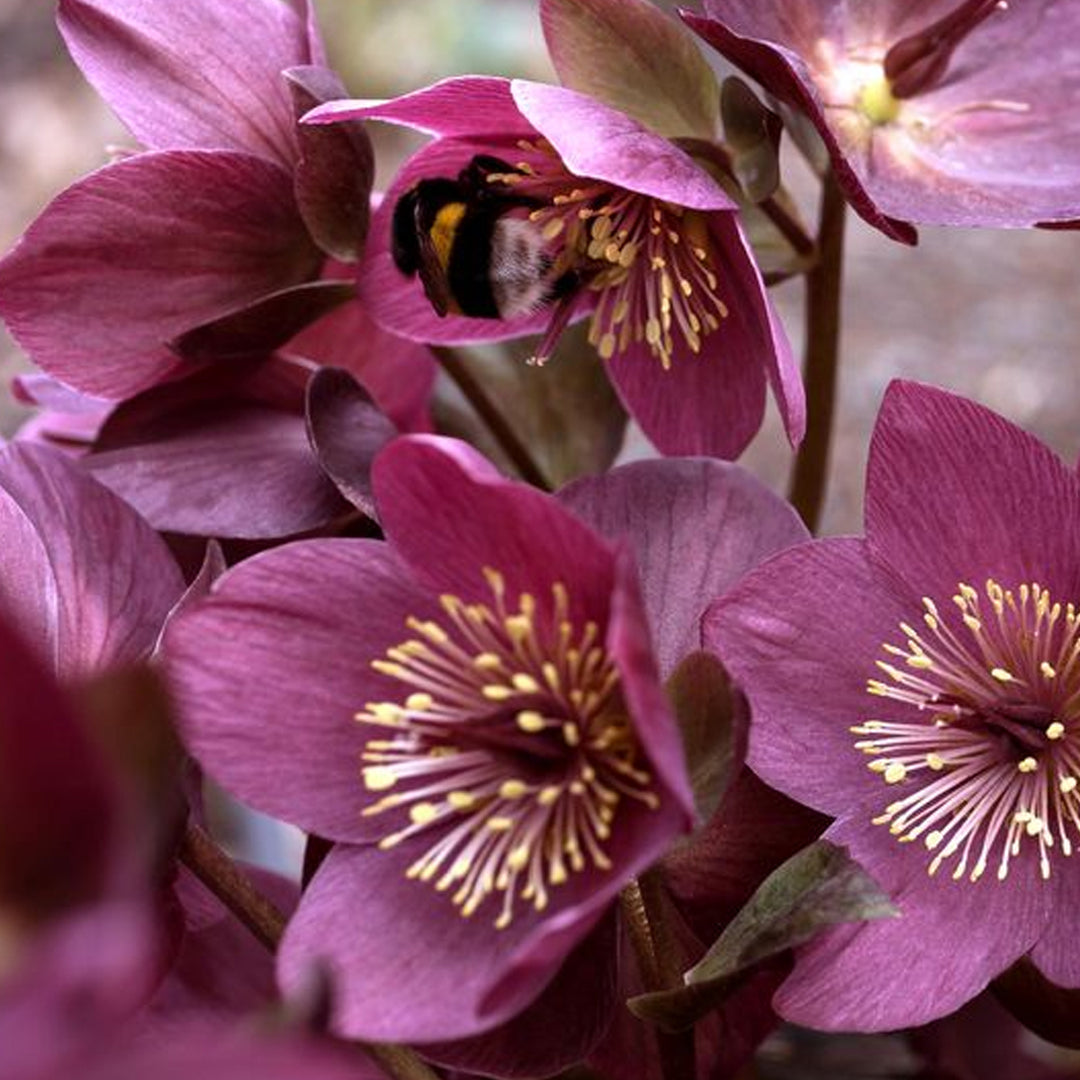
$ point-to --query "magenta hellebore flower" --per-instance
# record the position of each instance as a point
(633, 231)
(939, 113)
(921, 686)
(513, 759)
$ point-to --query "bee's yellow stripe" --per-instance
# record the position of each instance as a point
(444, 228)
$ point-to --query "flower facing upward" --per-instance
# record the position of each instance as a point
(942, 113)
(513, 733)
(943, 730)
(472, 712)
(993, 687)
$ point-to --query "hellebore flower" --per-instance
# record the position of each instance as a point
(471, 711)
(515, 760)
(219, 244)
(616, 221)
(920, 686)
(942, 113)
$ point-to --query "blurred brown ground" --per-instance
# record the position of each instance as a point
(993, 315)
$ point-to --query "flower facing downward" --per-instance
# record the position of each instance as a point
(942, 731)
(993, 689)
(514, 735)
(948, 113)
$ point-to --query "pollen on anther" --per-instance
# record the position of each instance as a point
(1056, 730)
(1027, 765)
(1001, 674)
(379, 778)
(895, 771)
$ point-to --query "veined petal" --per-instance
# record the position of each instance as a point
(197, 74)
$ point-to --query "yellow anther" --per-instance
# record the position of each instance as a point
(1047, 670)
(461, 800)
(423, 813)
(1027, 765)
(513, 789)
(895, 771)
(525, 683)
(1056, 730)
(487, 661)
(1001, 674)
(1067, 784)
(419, 702)
(530, 721)
(497, 692)
(935, 761)
(500, 824)
(379, 778)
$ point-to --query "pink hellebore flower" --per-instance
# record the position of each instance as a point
(199, 257)
(921, 685)
(938, 113)
(632, 231)
(514, 762)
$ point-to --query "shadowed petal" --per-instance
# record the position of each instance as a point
(143, 250)
(196, 74)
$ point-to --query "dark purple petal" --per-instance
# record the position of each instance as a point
(464, 106)
(265, 324)
(86, 611)
(271, 669)
(597, 141)
(801, 635)
(335, 169)
(398, 374)
(635, 58)
(1001, 504)
(142, 251)
(695, 527)
(346, 431)
(449, 513)
(559, 1029)
(207, 457)
(948, 941)
(1057, 953)
(197, 74)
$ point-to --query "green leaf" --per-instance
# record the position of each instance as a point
(819, 887)
(705, 707)
(635, 58)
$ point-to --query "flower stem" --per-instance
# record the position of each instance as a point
(824, 286)
(488, 411)
(642, 904)
(213, 867)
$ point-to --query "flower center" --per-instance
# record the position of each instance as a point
(512, 751)
(654, 264)
(993, 758)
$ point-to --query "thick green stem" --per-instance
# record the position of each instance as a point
(824, 287)
(642, 904)
(489, 412)
(213, 867)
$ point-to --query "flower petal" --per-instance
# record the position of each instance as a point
(449, 513)
(846, 979)
(197, 74)
(804, 668)
(460, 107)
(695, 527)
(1001, 504)
(143, 250)
(270, 670)
(597, 141)
(93, 611)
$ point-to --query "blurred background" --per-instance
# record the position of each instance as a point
(993, 315)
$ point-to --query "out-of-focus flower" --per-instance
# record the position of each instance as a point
(518, 759)
(84, 579)
(940, 113)
(920, 686)
(200, 257)
(619, 222)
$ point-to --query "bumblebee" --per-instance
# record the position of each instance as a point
(473, 246)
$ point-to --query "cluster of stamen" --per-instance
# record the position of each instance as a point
(993, 760)
(511, 750)
(653, 263)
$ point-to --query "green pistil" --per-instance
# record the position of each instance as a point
(877, 103)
